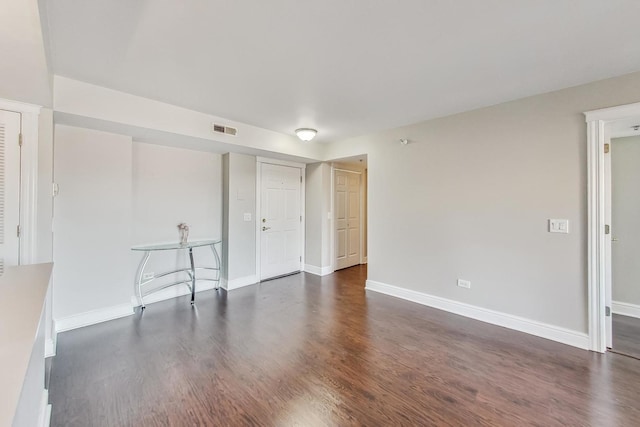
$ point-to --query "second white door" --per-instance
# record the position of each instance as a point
(280, 220)
(347, 218)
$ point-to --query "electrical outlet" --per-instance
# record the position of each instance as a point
(464, 283)
(147, 276)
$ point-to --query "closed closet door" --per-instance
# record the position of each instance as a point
(347, 218)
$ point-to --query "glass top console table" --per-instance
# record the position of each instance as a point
(190, 280)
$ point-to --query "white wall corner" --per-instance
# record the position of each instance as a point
(532, 327)
(93, 317)
(318, 271)
(625, 309)
(242, 282)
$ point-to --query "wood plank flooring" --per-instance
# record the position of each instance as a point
(311, 351)
(626, 335)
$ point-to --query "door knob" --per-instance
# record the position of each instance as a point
(614, 239)
(266, 228)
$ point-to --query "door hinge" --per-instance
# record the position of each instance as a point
(606, 148)
(55, 189)
(607, 229)
(607, 311)
(18, 230)
(300, 218)
(20, 139)
(300, 179)
(300, 258)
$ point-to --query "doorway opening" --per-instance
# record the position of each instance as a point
(349, 207)
(613, 217)
(622, 212)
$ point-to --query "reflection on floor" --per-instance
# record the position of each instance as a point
(321, 351)
(626, 335)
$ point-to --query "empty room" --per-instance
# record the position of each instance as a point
(338, 213)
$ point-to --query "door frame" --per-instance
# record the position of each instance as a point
(332, 239)
(29, 122)
(598, 253)
(302, 166)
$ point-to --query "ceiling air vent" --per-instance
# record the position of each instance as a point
(224, 129)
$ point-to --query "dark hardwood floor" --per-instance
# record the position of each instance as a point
(311, 351)
(626, 335)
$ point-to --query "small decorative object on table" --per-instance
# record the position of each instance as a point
(183, 229)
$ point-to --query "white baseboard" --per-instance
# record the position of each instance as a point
(51, 343)
(544, 330)
(50, 346)
(92, 317)
(625, 309)
(318, 271)
(365, 260)
(240, 282)
(45, 410)
(173, 292)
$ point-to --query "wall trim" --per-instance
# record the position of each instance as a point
(240, 282)
(45, 410)
(50, 345)
(92, 317)
(318, 271)
(625, 309)
(521, 324)
(597, 246)
(173, 292)
(365, 260)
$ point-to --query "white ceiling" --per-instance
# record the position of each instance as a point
(345, 67)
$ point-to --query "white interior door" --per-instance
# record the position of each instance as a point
(9, 188)
(347, 218)
(280, 220)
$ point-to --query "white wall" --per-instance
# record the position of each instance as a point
(470, 196)
(170, 186)
(625, 220)
(318, 225)
(92, 221)
(45, 180)
(240, 237)
(24, 74)
(114, 194)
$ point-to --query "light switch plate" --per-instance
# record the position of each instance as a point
(247, 216)
(559, 226)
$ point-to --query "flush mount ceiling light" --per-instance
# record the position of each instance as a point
(306, 134)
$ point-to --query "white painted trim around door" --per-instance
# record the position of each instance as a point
(302, 167)
(596, 198)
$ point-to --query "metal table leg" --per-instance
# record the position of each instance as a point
(218, 264)
(143, 264)
(193, 277)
